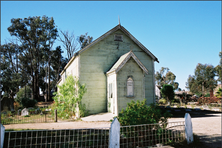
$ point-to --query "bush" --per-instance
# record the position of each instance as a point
(208, 100)
(167, 92)
(139, 113)
(22, 93)
(207, 95)
(69, 98)
(26, 102)
(162, 101)
(16, 105)
(219, 93)
(199, 94)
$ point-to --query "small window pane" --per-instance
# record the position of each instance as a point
(130, 87)
(110, 91)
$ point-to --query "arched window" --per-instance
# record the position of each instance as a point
(130, 87)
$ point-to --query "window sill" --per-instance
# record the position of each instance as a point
(130, 96)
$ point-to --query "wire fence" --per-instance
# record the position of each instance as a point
(31, 116)
(87, 138)
(151, 134)
(134, 136)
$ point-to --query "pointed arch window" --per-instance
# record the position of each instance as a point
(130, 90)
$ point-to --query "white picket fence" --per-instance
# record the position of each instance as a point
(114, 137)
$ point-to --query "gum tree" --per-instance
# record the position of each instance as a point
(164, 76)
(36, 36)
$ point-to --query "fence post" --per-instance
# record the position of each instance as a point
(55, 115)
(2, 135)
(188, 128)
(114, 134)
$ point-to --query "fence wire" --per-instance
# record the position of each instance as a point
(151, 134)
(87, 138)
(134, 136)
(35, 116)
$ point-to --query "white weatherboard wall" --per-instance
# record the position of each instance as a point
(95, 60)
(72, 69)
(130, 69)
(112, 102)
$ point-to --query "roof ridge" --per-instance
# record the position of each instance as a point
(123, 60)
(119, 26)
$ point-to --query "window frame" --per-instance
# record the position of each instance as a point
(118, 37)
(130, 87)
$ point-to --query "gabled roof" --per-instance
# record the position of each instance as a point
(123, 60)
(118, 27)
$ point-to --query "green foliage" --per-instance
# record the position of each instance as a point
(218, 69)
(26, 102)
(203, 80)
(23, 93)
(162, 101)
(219, 93)
(164, 76)
(139, 113)
(36, 36)
(82, 110)
(69, 97)
(11, 78)
(168, 92)
(5, 119)
(84, 40)
(199, 94)
(58, 62)
(207, 95)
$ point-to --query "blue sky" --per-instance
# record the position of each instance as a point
(180, 34)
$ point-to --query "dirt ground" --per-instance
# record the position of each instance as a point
(207, 128)
(60, 125)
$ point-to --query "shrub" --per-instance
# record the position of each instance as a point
(26, 102)
(162, 101)
(168, 92)
(139, 113)
(208, 100)
(219, 93)
(207, 95)
(69, 98)
(16, 105)
(5, 119)
(22, 93)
